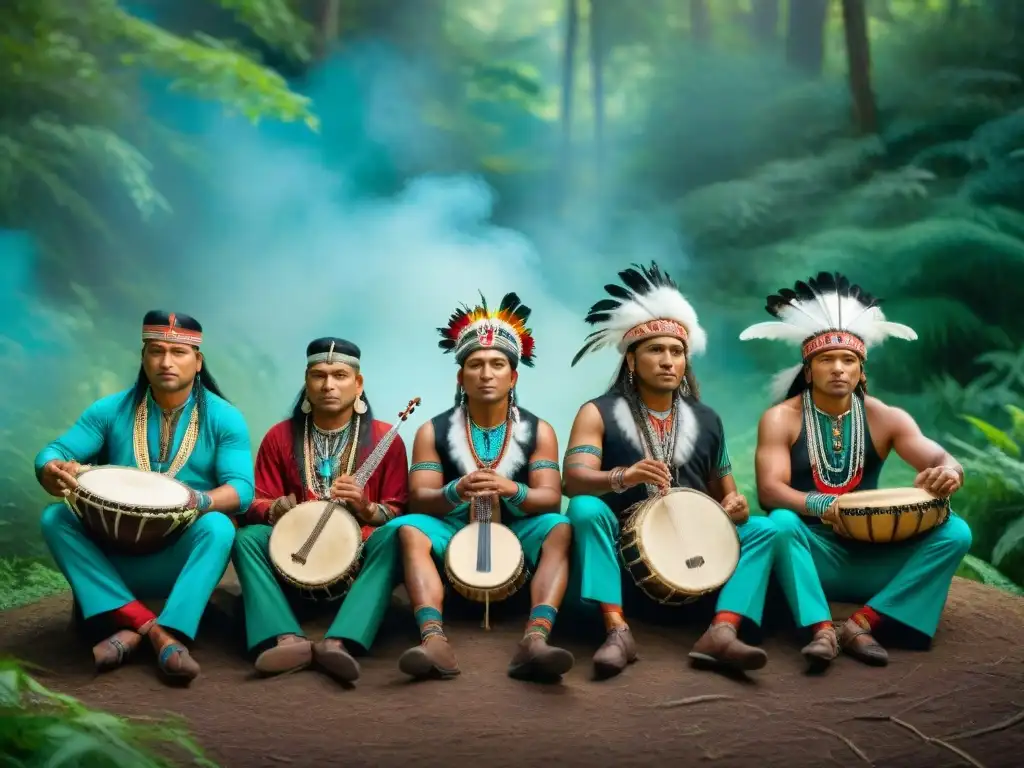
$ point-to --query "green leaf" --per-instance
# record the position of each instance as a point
(994, 435)
(978, 570)
(1012, 537)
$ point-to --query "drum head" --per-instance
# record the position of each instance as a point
(689, 541)
(332, 554)
(506, 556)
(135, 488)
(884, 497)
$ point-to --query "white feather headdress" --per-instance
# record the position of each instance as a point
(825, 313)
(649, 305)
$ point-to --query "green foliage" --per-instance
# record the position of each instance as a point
(75, 123)
(40, 727)
(26, 580)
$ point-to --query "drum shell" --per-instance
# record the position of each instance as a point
(891, 524)
(634, 560)
(126, 529)
(483, 595)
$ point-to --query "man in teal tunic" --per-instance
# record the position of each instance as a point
(313, 456)
(490, 451)
(827, 437)
(650, 431)
(174, 420)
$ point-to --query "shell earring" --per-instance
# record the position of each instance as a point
(305, 407)
(359, 406)
(631, 378)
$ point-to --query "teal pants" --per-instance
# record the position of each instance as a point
(598, 574)
(270, 606)
(907, 582)
(185, 573)
(363, 611)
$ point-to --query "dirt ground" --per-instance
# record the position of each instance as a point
(961, 703)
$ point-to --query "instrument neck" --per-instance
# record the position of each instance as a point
(368, 467)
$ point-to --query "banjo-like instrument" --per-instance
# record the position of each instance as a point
(484, 561)
(317, 546)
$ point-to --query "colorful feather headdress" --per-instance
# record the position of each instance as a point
(825, 313)
(649, 305)
(470, 330)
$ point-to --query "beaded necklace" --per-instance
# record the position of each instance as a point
(140, 440)
(323, 451)
(835, 445)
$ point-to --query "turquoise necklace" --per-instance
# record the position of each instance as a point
(487, 441)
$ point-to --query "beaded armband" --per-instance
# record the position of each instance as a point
(451, 494)
(593, 450)
(431, 466)
(817, 503)
(543, 464)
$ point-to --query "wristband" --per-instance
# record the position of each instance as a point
(817, 504)
(451, 494)
(520, 494)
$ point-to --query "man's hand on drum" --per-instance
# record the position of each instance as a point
(58, 477)
(940, 482)
(279, 507)
(485, 482)
(347, 490)
(648, 471)
(831, 516)
(736, 506)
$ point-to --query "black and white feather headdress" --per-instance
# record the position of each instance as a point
(827, 312)
(648, 304)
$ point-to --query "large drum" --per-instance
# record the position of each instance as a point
(889, 515)
(485, 562)
(132, 511)
(679, 546)
(317, 548)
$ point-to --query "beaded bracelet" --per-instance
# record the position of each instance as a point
(520, 495)
(203, 501)
(451, 494)
(818, 503)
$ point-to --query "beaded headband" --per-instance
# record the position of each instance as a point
(172, 333)
(330, 356)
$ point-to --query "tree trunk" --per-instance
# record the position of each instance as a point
(700, 22)
(597, 51)
(805, 36)
(328, 24)
(764, 21)
(858, 57)
(568, 83)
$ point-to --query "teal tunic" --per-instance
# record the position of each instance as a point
(701, 456)
(906, 581)
(184, 573)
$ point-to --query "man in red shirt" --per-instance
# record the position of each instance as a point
(311, 456)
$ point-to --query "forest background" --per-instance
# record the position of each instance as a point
(285, 170)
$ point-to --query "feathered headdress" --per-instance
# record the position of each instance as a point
(825, 313)
(650, 305)
(469, 330)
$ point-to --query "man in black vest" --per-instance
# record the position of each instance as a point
(488, 451)
(650, 431)
(824, 438)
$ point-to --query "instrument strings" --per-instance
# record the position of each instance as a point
(483, 511)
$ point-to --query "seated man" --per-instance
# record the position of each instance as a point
(174, 420)
(310, 456)
(486, 448)
(827, 437)
(650, 430)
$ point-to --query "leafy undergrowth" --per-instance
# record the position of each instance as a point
(25, 580)
(40, 727)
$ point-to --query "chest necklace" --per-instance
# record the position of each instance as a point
(835, 445)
